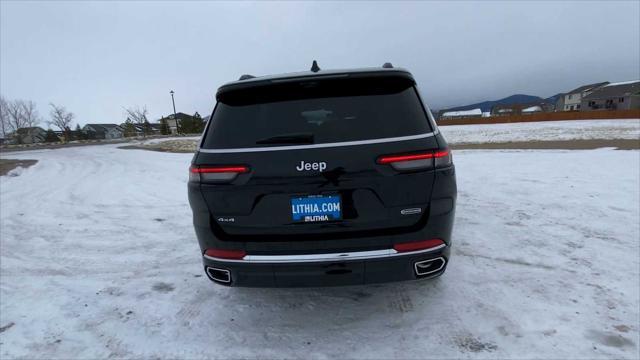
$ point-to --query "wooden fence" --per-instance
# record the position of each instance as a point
(546, 116)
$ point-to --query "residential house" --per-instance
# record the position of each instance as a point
(29, 135)
(156, 128)
(103, 131)
(559, 106)
(614, 96)
(186, 123)
(521, 109)
(573, 99)
(171, 121)
(460, 114)
(152, 130)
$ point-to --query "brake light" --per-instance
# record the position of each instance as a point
(417, 161)
(418, 245)
(397, 158)
(226, 254)
(216, 174)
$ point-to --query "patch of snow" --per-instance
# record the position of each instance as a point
(542, 131)
(16, 172)
(462, 113)
(532, 109)
(99, 259)
(172, 138)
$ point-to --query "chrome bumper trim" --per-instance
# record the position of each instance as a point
(304, 258)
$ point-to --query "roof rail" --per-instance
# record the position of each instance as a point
(246, 77)
(387, 65)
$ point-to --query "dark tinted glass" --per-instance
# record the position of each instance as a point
(316, 112)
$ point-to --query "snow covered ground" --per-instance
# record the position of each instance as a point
(542, 131)
(98, 259)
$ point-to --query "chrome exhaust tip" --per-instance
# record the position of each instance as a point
(218, 275)
(427, 267)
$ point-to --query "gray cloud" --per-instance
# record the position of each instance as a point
(97, 57)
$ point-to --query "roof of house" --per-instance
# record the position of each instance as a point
(586, 87)
(529, 107)
(105, 127)
(533, 108)
(615, 90)
(29, 130)
(179, 115)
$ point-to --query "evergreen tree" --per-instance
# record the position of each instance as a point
(186, 125)
(129, 128)
(198, 123)
(78, 134)
(164, 127)
(51, 137)
(146, 127)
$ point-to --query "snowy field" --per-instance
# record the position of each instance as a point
(542, 131)
(98, 259)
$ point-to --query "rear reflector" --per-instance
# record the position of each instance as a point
(418, 245)
(216, 174)
(219, 169)
(418, 161)
(226, 254)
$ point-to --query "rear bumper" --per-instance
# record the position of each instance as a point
(320, 271)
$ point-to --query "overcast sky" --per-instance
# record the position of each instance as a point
(97, 57)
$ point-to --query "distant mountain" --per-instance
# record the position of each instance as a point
(487, 105)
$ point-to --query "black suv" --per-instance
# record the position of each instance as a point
(322, 178)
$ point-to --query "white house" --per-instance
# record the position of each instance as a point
(28, 135)
(103, 131)
(573, 98)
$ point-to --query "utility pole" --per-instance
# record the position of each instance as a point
(175, 116)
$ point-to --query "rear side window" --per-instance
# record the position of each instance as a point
(316, 112)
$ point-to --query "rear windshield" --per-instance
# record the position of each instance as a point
(316, 112)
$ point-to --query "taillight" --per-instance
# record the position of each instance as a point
(418, 245)
(417, 161)
(226, 254)
(216, 174)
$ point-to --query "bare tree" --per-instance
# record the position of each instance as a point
(138, 116)
(61, 118)
(31, 117)
(20, 114)
(15, 115)
(4, 117)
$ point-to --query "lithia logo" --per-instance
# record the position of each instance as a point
(321, 166)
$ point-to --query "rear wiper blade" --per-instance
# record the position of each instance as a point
(295, 138)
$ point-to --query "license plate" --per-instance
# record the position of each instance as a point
(316, 208)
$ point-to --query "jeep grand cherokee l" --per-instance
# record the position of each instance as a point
(322, 178)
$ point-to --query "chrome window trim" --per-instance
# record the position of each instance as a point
(305, 258)
(317, 146)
